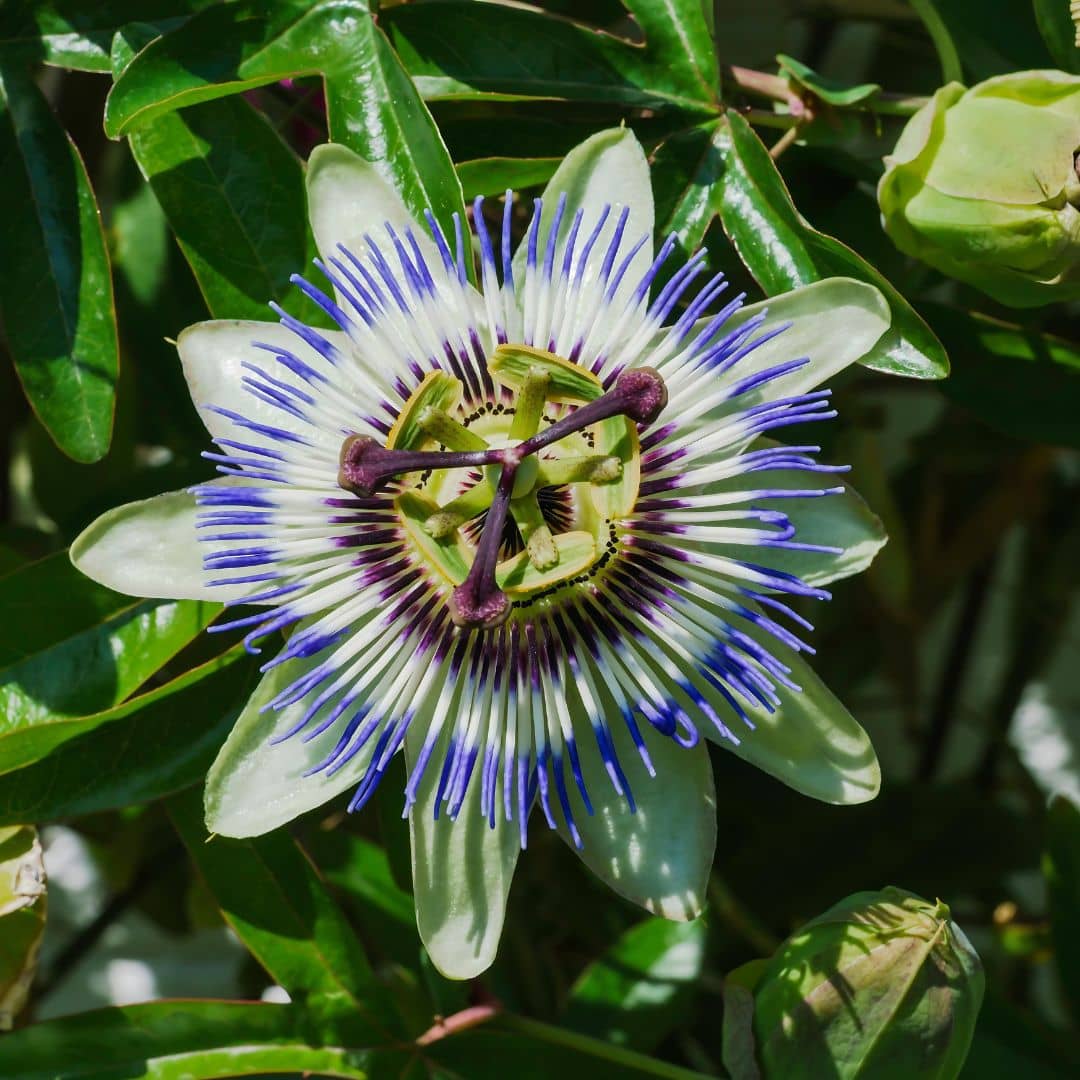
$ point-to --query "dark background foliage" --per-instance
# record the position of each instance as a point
(187, 123)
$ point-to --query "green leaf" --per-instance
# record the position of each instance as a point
(274, 899)
(828, 90)
(157, 744)
(372, 105)
(456, 49)
(680, 43)
(1061, 865)
(74, 34)
(686, 174)
(782, 250)
(494, 175)
(1022, 382)
(360, 871)
(639, 990)
(22, 916)
(72, 650)
(56, 293)
(179, 1040)
(1059, 29)
(233, 193)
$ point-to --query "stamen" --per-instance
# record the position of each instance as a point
(579, 469)
(457, 511)
(539, 542)
(529, 407)
(442, 427)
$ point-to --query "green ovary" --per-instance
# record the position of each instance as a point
(566, 499)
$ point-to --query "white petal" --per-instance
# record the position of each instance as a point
(841, 521)
(255, 785)
(461, 875)
(150, 548)
(347, 197)
(811, 742)
(835, 322)
(659, 856)
(212, 354)
(607, 169)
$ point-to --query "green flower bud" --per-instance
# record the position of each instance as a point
(983, 185)
(882, 985)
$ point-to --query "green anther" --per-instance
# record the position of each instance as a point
(539, 543)
(443, 428)
(529, 407)
(448, 554)
(509, 365)
(519, 577)
(456, 512)
(543, 553)
(437, 391)
(580, 469)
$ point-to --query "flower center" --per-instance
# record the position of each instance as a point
(499, 466)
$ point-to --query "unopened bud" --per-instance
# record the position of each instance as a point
(983, 186)
(881, 985)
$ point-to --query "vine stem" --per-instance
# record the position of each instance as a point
(776, 88)
(618, 1055)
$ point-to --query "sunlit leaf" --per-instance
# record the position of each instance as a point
(639, 990)
(273, 898)
(74, 650)
(158, 743)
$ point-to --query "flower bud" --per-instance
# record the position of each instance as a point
(882, 984)
(982, 185)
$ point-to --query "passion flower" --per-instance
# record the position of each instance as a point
(531, 534)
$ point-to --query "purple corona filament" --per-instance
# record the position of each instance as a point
(663, 618)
